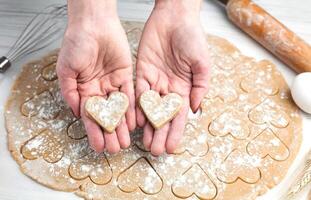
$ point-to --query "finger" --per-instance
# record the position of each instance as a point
(69, 89)
(200, 80)
(94, 132)
(159, 140)
(123, 135)
(141, 86)
(130, 115)
(148, 135)
(177, 128)
(112, 143)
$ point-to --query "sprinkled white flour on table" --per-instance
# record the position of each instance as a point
(241, 144)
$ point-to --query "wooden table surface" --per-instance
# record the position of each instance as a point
(14, 14)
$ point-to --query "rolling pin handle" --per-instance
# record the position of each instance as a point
(271, 33)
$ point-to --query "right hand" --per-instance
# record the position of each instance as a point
(168, 61)
(95, 59)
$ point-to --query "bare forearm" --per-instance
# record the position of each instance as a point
(179, 6)
(90, 11)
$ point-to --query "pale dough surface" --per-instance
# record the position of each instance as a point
(241, 145)
(160, 110)
(107, 112)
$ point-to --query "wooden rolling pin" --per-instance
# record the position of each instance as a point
(270, 33)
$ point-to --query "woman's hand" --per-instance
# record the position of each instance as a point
(172, 57)
(95, 59)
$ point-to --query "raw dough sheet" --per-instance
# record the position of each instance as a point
(239, 146)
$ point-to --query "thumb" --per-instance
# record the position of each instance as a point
(69, 88)
(200, 83)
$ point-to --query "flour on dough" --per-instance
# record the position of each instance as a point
(240, 145)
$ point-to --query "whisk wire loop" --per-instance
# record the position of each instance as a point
(44, 28)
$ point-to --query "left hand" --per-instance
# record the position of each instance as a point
(95, 60)
(172, 57)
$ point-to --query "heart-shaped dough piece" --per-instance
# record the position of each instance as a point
(159, 110)
(107, 113)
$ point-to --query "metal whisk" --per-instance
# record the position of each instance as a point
(40, 32)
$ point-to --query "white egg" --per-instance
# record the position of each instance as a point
(301, 91)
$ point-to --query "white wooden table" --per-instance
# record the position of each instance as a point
(14, 14)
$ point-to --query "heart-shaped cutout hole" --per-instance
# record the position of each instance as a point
(160, 111)
(269, 112)
(194, 182)
(239, 166)
(107, 113)
(140, 175)
(46, 145)
(267, 143)
(95, 166)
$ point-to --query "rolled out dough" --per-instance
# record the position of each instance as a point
(241, 145)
